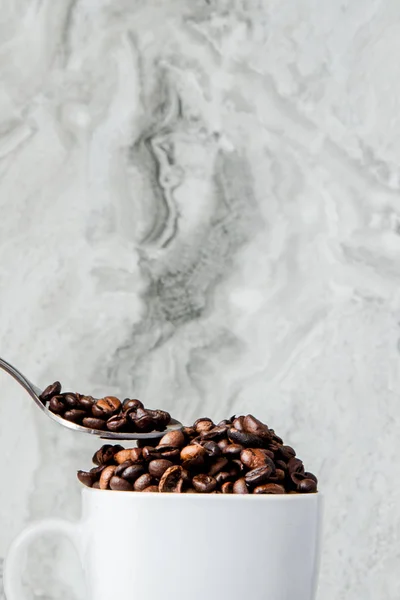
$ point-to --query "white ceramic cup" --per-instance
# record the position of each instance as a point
(144, 546)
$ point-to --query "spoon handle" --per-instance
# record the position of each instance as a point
(22, 380)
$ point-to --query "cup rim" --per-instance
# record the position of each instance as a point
(242, 497)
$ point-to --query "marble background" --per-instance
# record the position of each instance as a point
(200, 207)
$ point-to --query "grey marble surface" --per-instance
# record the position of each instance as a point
(200, 207)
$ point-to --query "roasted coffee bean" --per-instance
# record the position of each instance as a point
(278, 476)
(71, 401)
(151, 489)
(202, 425)
(280, 464)
(87, 479)
(121, 485)
(237, 423)
(224, 422)
(150, 453)
(240, 487)
(310, 476)
(219, 465)
(286, 453)
(232, 450)
(258, 476)
(171, 481)
(234, 471)
(209, 459)
(295, 466)
(254, 457)
(52, 390)
(256, 427)
(173, 438)
(189, 432)
(106, 454)
(223, 444)
(239, 465)
(96, 485)
(204, 484)
(107, 406)
(245, 439)
(192, 456)
(307, 486)
(117, 423)
(269, 488)
(212, 449)
(227, 487)
(75, 415)
(57, 405)
(187, 478)
(105, 477)
(122, 456)
(168, 452)
(132, 473)
(92, 423)
(129, 404)
(143, 482)
(224, 476)
(160, 418)
(85, 402)
(216, 433)
(97, 471)
(297, 477)
(273, 447)
(121, 468)
(275, 437)
(144, 422)
(158, 467)
(136, 455)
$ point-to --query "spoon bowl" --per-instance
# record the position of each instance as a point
(35, 393)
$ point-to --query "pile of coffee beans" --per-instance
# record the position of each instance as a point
(240, 455)
(107, 413)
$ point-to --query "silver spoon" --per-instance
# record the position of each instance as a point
(35, 392)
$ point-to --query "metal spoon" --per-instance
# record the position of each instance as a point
(35, 392)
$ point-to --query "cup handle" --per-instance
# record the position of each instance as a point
(12, 567)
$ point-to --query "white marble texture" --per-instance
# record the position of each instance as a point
(199, 205)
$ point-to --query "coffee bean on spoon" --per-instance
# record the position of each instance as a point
(58, 405)
(75, 415)
(85, 402)
(116, 423)
(93, 423)
(131, 404)
(107, 406)
(52, 390)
